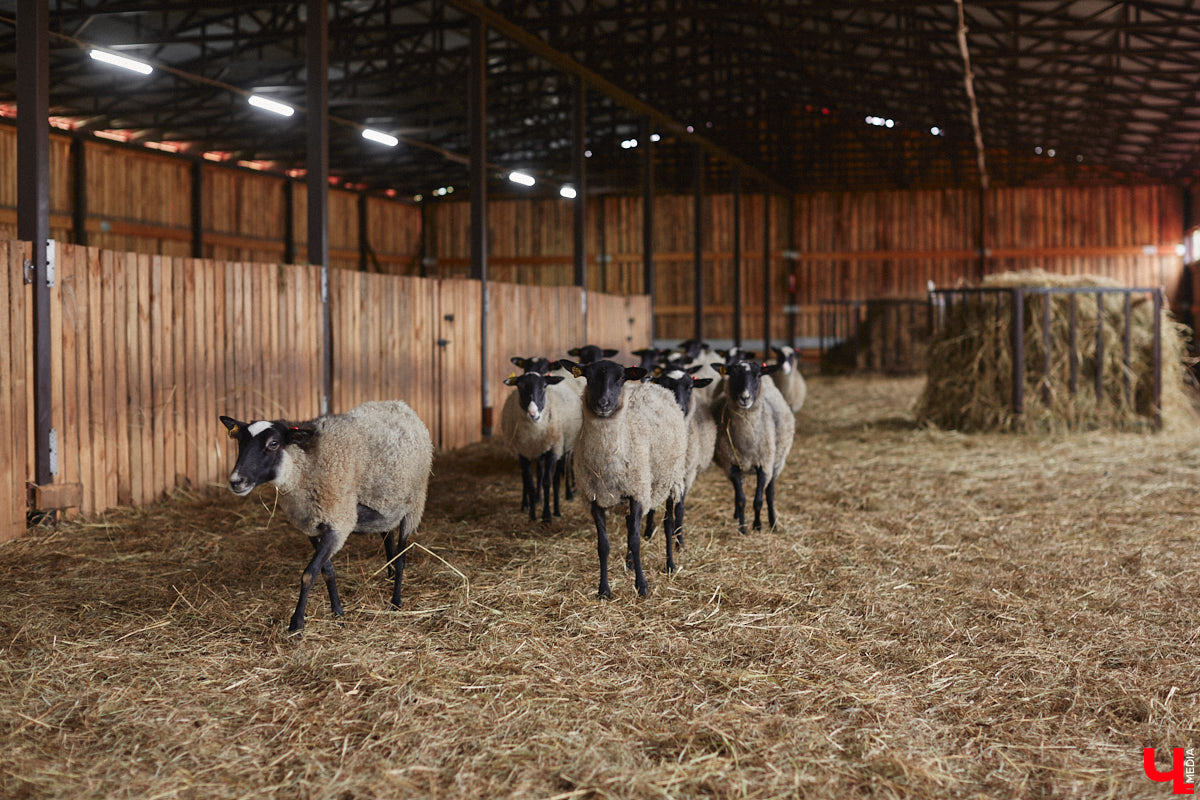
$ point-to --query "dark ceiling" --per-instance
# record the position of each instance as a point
(1074, 91)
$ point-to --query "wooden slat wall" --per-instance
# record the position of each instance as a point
(459, 306)
(530, 321)
(619, 322)
(15, 450)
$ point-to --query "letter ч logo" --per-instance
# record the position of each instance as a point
(1179, 774)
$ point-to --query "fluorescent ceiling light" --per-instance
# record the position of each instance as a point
(568, 192)
(121, 61)
(521, 178)
(266, 104)
(380, 136)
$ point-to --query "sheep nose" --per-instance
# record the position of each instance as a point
(238, 484)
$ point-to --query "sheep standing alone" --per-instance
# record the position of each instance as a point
(631, 448)
(540, 423)
(365, 471)
(701, 441)
(788, 379)
(755, 429)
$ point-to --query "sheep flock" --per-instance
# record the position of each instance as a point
(627, 438)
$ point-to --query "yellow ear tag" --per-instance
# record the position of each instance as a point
(577, 372)
(511, 375)
(233, 432)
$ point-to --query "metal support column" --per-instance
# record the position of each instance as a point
(579, 176)
(79, 191)
(736, 189)
(364, 246)
(698, 240)
(289, 222)
(477, 135)
(33, 206)
(317, 63)
(197, 187)
(792, 256)
(766, 274)
(647, 219)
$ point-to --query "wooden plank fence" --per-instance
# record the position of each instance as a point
(148, 350)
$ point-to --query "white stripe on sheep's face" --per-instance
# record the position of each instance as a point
(605, 384)
(531, 390)
(744, 380)
(262, 450)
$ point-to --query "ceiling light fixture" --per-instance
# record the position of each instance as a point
(121, 61)
(380, 136)
(568, 192)
(521, 178)
(274, 106)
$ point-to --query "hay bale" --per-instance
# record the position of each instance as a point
(969, 384)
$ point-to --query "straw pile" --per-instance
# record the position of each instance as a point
(917, 628)
(969, 384)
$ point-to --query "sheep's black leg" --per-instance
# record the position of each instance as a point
(330, 580)
(546, 469)
(558, 471)
(602, 551)
(739, 498)
(771, 503)
(324, 546)
(759, 485)
(527, 490)
(669, 528)
(648, 531)
(402, 538)
(633, 523)
(389, 550)
(679, 522)
(569, 468)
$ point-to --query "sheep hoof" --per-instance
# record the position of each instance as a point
(628, 560)
(604, 594)
(757, 525)
(672, 568)
(679, 541)
(643, 590)
(296, 626)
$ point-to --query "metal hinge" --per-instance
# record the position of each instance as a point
(53, 451)
(29, 271)
(51, 257)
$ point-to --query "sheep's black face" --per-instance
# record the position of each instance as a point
(605, 384)
(786, 358)
(744, 381)
(260, 451)
(691, 348)
(651, 357)
(534, 364)
(590, 353)
(531, 390)
(680, 384)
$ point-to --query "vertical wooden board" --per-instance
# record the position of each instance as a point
(220, 442)
(146, 432)
(98, 371)
(131, 466)
(12, 484)
(157, 483)
(165, 375)
(61, 349)
(82, 426)
(121, 349)
(179, 388)
(208, 424)
(190, 371)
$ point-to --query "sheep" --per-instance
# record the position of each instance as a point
(632, 447)
(755, 429)
(540, 424)
(531, 485)
(651, 357)
(701, 440)
(365, 471)
(788, 379)
(590, 353)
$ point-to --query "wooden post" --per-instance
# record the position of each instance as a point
(648, 276)
(318, 178)
(289, 221)
(197, 181)
(33, 208)
(364, 246)
(766, 273)
(579, 176)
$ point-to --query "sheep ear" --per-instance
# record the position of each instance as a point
(520, 362)
(767, 369)
(645, 351)
(721, 369)
(634, 373)
(574, 351)
(723, 353)
(233, 426)
(297, 434)
(700, 383)
(553, 379)
(695, 369)
(609, 352)
(511, 380)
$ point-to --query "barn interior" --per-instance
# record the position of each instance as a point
(981, 580)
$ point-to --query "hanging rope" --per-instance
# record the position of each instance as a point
(969, 82)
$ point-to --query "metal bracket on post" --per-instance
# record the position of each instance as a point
(53, 451)
(51, 253)
(28, 272)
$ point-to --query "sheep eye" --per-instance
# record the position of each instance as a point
(272, 444)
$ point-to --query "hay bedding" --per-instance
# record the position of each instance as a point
(942, 615)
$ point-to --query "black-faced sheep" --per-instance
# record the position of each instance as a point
(755, 429)
(632, 448)
(701, 440)
(788, 379)
(540, 423)
(365, 471)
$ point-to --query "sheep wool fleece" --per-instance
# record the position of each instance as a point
(377, 455)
